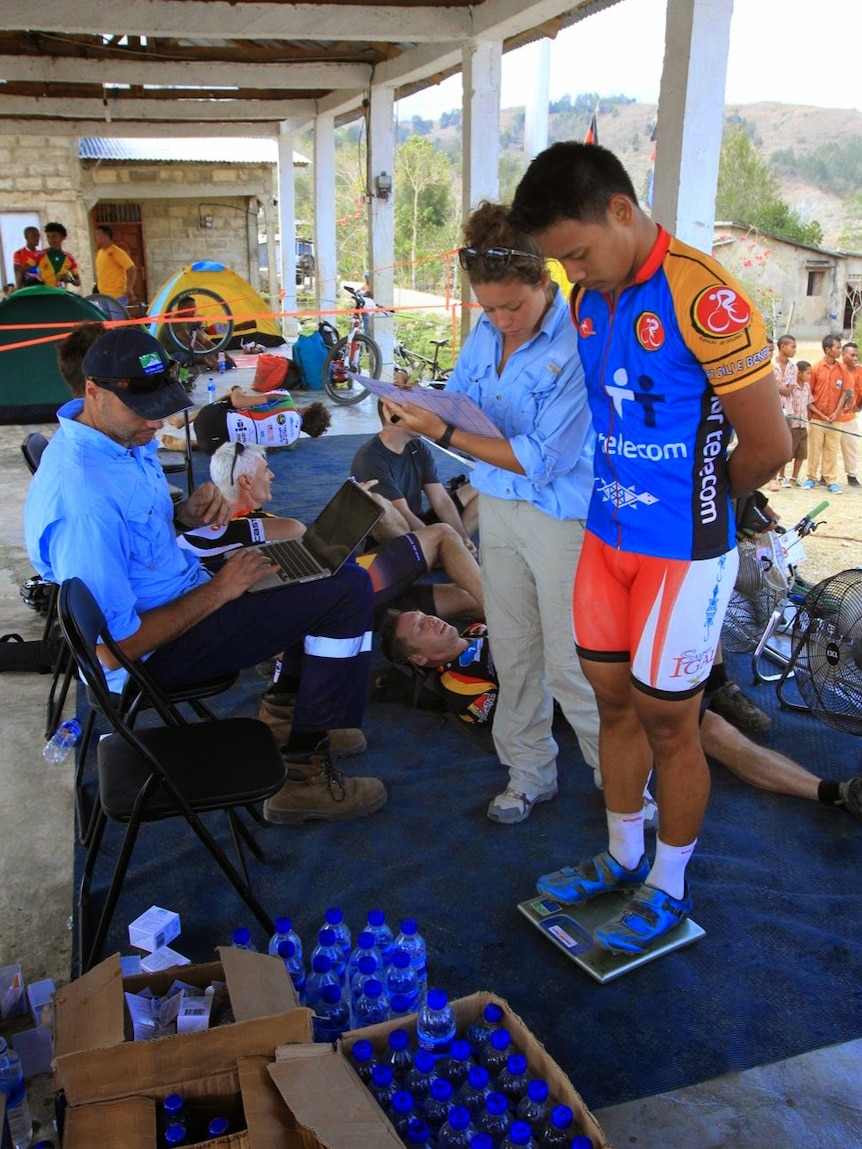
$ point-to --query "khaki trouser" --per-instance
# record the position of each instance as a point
(528, 570)
(849, 445)
(823, 451)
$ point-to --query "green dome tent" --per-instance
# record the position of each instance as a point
(31, 386)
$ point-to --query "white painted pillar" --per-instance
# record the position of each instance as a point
(381, 163)
(287, 228)
(690, 118)
(271, 253)
(326, 284)
(480, 116)
(538, 66)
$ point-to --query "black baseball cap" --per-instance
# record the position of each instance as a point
(135, 366)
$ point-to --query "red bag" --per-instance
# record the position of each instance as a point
(270, 372)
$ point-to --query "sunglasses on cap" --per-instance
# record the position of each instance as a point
(494, 258)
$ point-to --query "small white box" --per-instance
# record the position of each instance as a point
(194, 1013)
(154, 929)
(163, 958)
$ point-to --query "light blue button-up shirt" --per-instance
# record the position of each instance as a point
(103, 512)
(539, 403)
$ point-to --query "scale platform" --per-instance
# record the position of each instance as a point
(569, 928)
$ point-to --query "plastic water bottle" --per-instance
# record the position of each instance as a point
(582, 1141)
(321, 975)
(474, 1092)
(382, 934)
(520, 1136)
(411, 940)
(417, 1134)
(240, 939)
(284, 932)
(364, 947)
(456, 1132)
(403, 1112)
(558, 1132)
(535, 1106)
(383, 1085)
(481, 1029)
(398, 1054)
(218, 1126)
(437, 1104)
(211, 390)
(362, 1055)
(329, 947)
(334, 920)
(294, 966)
(372, 1006)
(401, 979)
(331, 1015)
(495, 1052)
(222, 363)
(482, 1141)
(58, 748)
(421, 1077)
(435, 1025)
(17, 1105)
(513, 1079)
(495, 1118)
(456, 1067)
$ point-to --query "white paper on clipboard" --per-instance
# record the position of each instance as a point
(452, 407)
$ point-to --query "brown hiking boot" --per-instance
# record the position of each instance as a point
(277, 712)
(315, 790)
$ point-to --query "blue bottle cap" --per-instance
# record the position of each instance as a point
(334, 915)
(331, 994)
(175, 1134)
(320, 963)
(417, 1132)
(402, 1102)
(478, 1076)
(362, 1050)
(409, 926)
(372, 988)
(562, 1117)
(326, 937)
(241, 936)
(517, 1064)
(376, 918)
(582, 1142)
(366, 964)
(520, 1132)
(381, 1075)
(500, 1039)
(173, 1104)
(496, 1103)
(437, 999)
(400, 958)
(399, 1003)
(481, 1141)
(283, 925)
(424, 1061)
(537, 1090)
(459, 1117)
(441, 1090)
(286, 949)
(218, 1126)
(399, 1039)
(493, 1012)
(461, 1049)
(365, 940)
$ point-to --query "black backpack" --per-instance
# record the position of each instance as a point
(415, 686)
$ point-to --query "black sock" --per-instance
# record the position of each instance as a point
(828, 793)
(717, 677)
(304, 741)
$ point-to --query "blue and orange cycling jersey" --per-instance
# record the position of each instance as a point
(657, 359)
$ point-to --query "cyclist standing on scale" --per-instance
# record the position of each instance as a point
(674, 355)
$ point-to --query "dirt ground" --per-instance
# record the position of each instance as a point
(836, 545)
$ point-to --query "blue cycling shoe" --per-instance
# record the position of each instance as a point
(648, 916)
(599, 875)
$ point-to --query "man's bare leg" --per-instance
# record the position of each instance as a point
(442, 546)
(757, 765)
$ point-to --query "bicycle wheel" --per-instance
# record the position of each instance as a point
(210, 312)
(359, 354)
(441, 379)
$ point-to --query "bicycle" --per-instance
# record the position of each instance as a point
(354, 353)
(210, 314)
(418, 369)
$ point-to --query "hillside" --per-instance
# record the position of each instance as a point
(625, 129)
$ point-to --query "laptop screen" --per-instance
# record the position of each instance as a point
(341, 525)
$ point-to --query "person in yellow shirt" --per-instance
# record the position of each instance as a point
(115, 271)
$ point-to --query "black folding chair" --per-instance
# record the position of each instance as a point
(178, 770)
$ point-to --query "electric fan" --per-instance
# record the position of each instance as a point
(826, 652)
(761, 584)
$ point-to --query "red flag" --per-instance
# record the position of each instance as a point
(592, 136)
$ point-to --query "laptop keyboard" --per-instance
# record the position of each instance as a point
(293, 560)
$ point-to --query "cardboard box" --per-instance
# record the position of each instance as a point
(113, 1086)
(308, 1078)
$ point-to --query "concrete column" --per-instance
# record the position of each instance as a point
(287, 229)
(690, 118)
(326, 284)
(536, 117)
(381, 166)
(480, 116)
(269, 218)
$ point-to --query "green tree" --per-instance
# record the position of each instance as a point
(423, 203)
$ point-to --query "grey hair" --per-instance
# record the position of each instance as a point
(226, 458)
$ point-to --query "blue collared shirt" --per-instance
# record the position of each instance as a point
(103, 512)
(539, 403)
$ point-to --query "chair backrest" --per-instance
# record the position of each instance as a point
(32, 448)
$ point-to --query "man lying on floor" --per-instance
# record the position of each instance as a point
(466, 669)
(242, 475)
(99, 509)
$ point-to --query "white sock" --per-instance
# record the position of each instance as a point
(668, 869)
(626, 837)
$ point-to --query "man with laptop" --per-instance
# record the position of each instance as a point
(99, 509)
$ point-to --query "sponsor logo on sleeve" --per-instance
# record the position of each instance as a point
(720, 312)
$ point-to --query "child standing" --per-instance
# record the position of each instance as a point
(797, 408)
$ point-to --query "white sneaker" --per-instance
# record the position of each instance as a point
(513, 806)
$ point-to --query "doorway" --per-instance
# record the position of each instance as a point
(125, 221)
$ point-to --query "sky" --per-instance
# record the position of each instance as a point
(619, 51)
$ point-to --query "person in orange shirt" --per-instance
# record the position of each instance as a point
(847, 415)
(831, 390)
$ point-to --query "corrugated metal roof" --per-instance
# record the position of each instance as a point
(223, 150)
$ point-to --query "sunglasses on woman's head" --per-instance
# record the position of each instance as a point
(494, 258)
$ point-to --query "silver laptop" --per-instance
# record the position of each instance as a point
(570, 929)
(327, 544)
